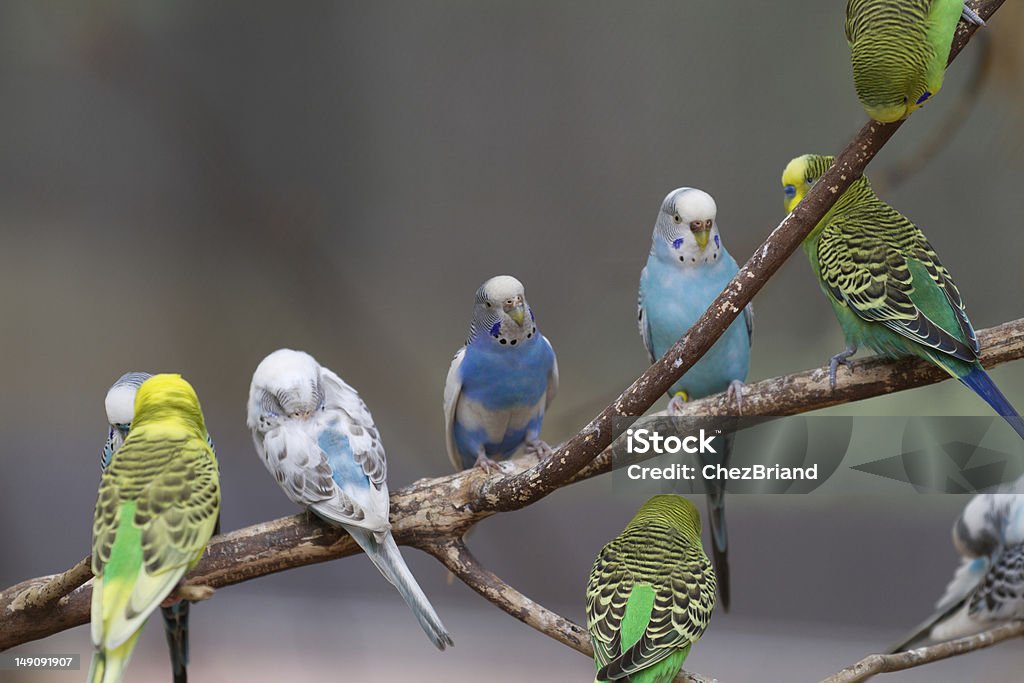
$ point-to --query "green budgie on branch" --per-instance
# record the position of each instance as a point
(887, 286)
(157, 507)
(650, 594)
(899, 50)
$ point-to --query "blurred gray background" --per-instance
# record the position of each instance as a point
(188, 186)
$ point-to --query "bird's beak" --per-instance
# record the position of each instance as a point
(518, 314)
(702, 238)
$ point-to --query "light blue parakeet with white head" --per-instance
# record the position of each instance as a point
(988, 587)
(318, 439)
(120, 407)
(688, 266)
(501, 382)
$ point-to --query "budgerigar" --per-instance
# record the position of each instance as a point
(501, 382)
(899, 50)
(120, 408)
(688, 266)
(887, 286)
(650, 595)
(988, 587)
(316, 436)
(158, 504)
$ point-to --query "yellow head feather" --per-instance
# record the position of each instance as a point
(168, 396)
(670, 509)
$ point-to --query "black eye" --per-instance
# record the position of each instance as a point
(488, 304)
(677, 218)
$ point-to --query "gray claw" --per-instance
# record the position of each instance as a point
(841, 358)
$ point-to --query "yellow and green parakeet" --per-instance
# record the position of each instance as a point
(650, 594)
(887, 286)
(899, 50)
(157, 507)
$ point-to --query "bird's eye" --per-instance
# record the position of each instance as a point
(488, 304)
(677, 218)
(790, 191)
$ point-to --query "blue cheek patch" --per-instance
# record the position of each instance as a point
(924, 98)
(496, 329)
(790, 191)
(718, 242)
(676, 243)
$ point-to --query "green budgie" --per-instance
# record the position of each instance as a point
(650, 594)
(899, 50)
(887, 286)
(157, 507)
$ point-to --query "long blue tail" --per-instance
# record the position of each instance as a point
(176, 630)
(979, 382)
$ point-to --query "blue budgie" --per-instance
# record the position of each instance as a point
(318, 439)
(688, 266)
(120, 408)
(501, 382)
(988, 587)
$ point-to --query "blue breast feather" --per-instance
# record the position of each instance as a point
(503, 378)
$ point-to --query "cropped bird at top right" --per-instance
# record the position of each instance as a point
(899, 51)
(887, 286)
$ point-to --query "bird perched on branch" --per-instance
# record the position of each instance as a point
(318, 439)
(158, 504)
(899, 50)
(687, 268)
(988, 587)
(887, 286)
(501, 382)
(120, 408)
(650, 594)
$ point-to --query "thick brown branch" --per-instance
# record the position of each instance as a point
(525, 488)
(880, 664)
(461, 562)
(45, 590)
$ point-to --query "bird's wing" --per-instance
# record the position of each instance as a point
(452, 391)
(171, 489)
(358, 424)
(552, 389)
(882, 268)
(608, 591)
(684, 585)
(643, 323)
(997, 596)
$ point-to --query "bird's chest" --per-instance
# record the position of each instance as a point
(674, 299)
(505, 379)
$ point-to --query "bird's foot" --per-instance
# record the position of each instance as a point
(972, 17)
(539, 448)
(841, 358)
(486, 464)
(676, 403)
(735, 393)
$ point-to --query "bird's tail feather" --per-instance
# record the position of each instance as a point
(176, 630)
(981, 384)
(109, 666)
(386, 556)
(921, 631)
(716, 520)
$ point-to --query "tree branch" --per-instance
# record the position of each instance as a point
(432, 514)
(878, 664)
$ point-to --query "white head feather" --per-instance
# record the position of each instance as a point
(120, 400)
(683, 212)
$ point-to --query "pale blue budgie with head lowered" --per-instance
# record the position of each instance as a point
(988, 587)
(318, 439)
(688, 266)
(501, 382)
(120, 407)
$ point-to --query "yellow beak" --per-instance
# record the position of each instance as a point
(702, 238)
(518, 314)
